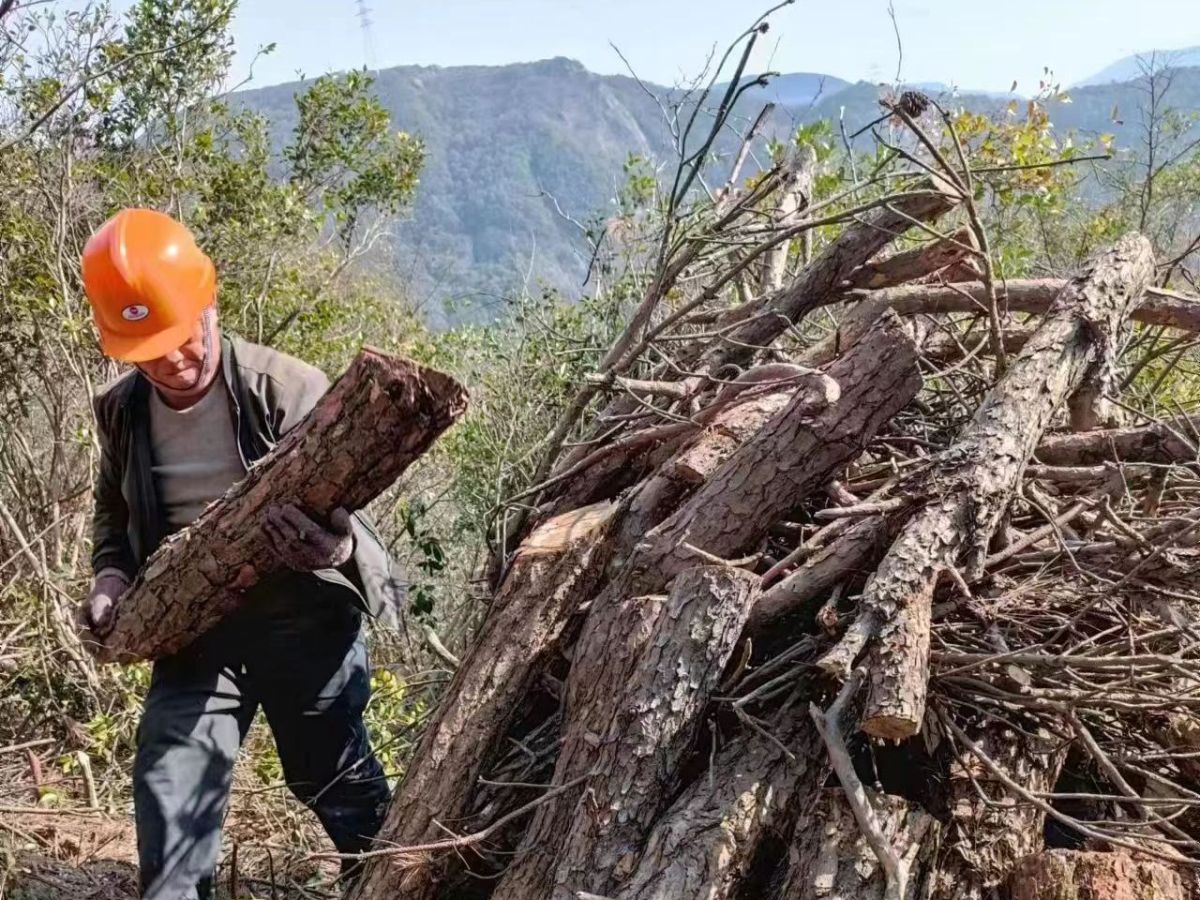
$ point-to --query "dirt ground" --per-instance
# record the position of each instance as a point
(79, 855)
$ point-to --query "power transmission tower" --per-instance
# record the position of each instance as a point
(364, 20)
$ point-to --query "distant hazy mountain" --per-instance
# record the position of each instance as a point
(519, 154)
(1132, 67)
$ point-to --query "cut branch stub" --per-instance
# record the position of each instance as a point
(970, 485)
(378, 419)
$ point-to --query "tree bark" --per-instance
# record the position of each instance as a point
(920, 262)
(970, 485)
(557, 568)
(830, 858)
(1174, 440)
(705, 845)
(636, 695)
(1027, 295)
(379, 418)
(1085, 875)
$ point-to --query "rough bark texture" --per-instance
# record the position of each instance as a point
(1084, 875)
(971, 484)
(796, 452)
(830, 858)
(556, 569)
(643, 675)
(683, 473)
(1164, 442)
(382, 414)
(987, 832)
(918, 263)
(1029, 295)
(705, 844)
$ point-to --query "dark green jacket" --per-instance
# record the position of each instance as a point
(269, 393)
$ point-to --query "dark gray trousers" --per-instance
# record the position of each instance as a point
(297, 650)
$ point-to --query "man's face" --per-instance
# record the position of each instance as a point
(181, 369)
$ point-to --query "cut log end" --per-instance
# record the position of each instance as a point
(890, 728)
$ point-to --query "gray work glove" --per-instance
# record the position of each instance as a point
(96, 612)
(303, 545)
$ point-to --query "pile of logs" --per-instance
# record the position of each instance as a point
(859, 582)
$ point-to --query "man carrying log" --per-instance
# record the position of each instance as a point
(175, 433)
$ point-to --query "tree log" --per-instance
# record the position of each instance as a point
(1086, 875)
(643, 674)
(1174, 440)
(830, 858)
(556, 568)
(705, 845)
(917, 263)
(988, 831)
(1026, 295)
(971, 483)
(380, 416)
(796, 452)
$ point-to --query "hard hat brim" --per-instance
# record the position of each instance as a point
(143, 348)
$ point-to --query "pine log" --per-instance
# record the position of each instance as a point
(683, 473)
(796, 452)
(915, 264)
(643, 674)
(705, 845)
(988, 832)
(556, 568)
(1026, 295)
(378, 419)
(1174, 440)
(970, 485)
(1088, 875)
(830, 858)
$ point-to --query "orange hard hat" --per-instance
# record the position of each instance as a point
(148, 283)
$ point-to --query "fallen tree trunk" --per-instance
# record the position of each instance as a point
(919, 263)
(970, 485)
(829, 857)
(1174, 440)
(378, 419)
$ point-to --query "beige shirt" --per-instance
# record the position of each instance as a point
(196, 457)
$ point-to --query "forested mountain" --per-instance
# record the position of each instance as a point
(521, 156)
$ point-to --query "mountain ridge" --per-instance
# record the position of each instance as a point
(519, 155)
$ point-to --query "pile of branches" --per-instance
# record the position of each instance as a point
(851, 572)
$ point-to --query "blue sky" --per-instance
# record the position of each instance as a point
(970, 43)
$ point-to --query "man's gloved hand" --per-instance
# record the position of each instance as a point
(96, 612)
(303, 545)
